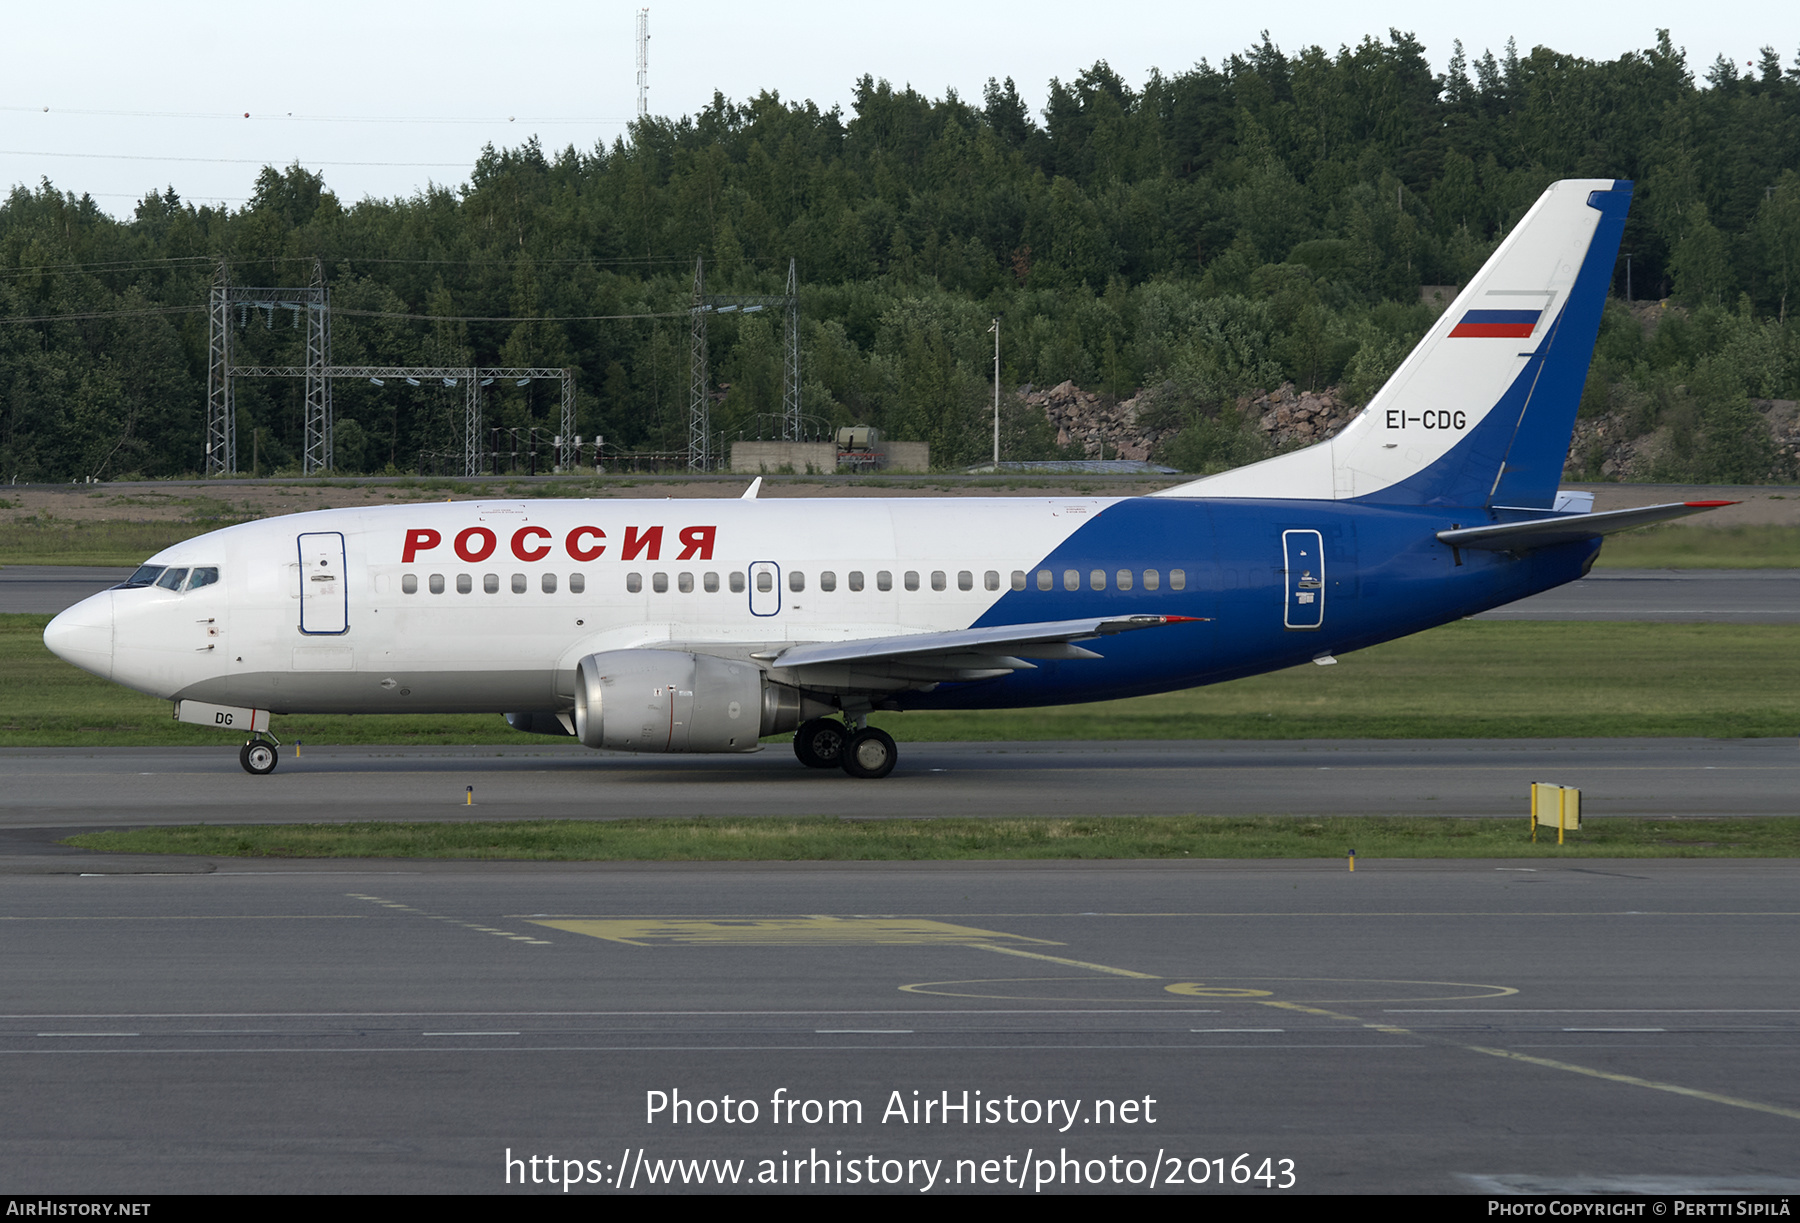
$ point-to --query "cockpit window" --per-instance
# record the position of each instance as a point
(172, 579)
(146, 575)
(205, 576)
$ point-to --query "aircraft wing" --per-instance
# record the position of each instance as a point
(1568, 528)
(912, 659)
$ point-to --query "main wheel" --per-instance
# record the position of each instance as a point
(820, 743)
(259, 757)
(870, 753)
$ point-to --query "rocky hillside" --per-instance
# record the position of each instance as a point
(1607, 447)
(1105, 427)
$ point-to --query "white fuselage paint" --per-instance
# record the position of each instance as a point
(242, 640)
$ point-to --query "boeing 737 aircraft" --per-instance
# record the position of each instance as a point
(703, 626)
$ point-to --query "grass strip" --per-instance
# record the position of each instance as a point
(1470, 679)
(832, 839)
(1680, 546)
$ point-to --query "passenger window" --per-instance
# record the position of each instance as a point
(966, 580)
(548, 583)
(659, 582)
(436, 582)
(1123, 578)
(684, 582)
(827, 580)
(991, 579)
(737, 582)
(1044, 579)
(171, 579)
(1177, 579)
(409, 584)
(463, 584)
(1018, 579)
(490, 583)
(912, 579)
(210, 574)
(519, 584)
(938, 581)
(796, 581)
(1071, 579)
(1152, 579)
(577, 583)
(1097, 579)
(856, 581)
(884, 580)
(711, 582)
(634, 583)
(765, 581)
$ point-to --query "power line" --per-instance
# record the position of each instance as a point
(231, 161)
(120, 263)
(173, 260)
(60, 318)
(428, 318)
(291, 117)
(509, 318)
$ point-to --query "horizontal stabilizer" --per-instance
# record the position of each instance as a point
(1568, 528)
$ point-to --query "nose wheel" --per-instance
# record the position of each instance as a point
(259, 757)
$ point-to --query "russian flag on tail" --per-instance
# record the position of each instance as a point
(1516, 324)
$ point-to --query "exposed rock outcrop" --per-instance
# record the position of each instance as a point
(1105, 427)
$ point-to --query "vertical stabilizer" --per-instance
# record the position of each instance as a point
(1481, 412)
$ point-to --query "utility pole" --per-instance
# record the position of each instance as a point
(643, 61)
(996, 330)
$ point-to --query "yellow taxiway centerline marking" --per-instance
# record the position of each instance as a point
(1634, 1081)
(1056, 959)
(783, 931)
(1630, 1080)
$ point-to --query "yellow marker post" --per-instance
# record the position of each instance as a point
(1353, 862)
(1568, 812)
(297, 743)
(1564, 801)
(471, 801)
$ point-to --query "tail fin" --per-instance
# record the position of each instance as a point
(1481, 412)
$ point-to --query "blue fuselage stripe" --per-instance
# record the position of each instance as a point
(1385, 576)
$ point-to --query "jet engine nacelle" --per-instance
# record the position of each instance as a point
(673, 701)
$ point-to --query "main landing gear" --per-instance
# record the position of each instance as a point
(259, 757)
(861, 751)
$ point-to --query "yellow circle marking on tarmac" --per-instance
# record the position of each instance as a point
(1196, 989)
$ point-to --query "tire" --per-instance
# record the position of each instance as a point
(259, 757)
(870, 753)
(820, 743)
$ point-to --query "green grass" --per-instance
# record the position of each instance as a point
(61, 541)
(1471, 679)
(1678, 546)
(829, 839)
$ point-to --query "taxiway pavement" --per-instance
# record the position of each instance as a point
(433, 1027)
(128, 786)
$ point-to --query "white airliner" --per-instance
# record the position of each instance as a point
(703, 626)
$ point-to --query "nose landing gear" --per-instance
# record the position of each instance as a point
(259, 757)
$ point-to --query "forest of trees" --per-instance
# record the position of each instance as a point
(1204, 235)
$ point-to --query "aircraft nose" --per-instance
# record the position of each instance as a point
(83, 635)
